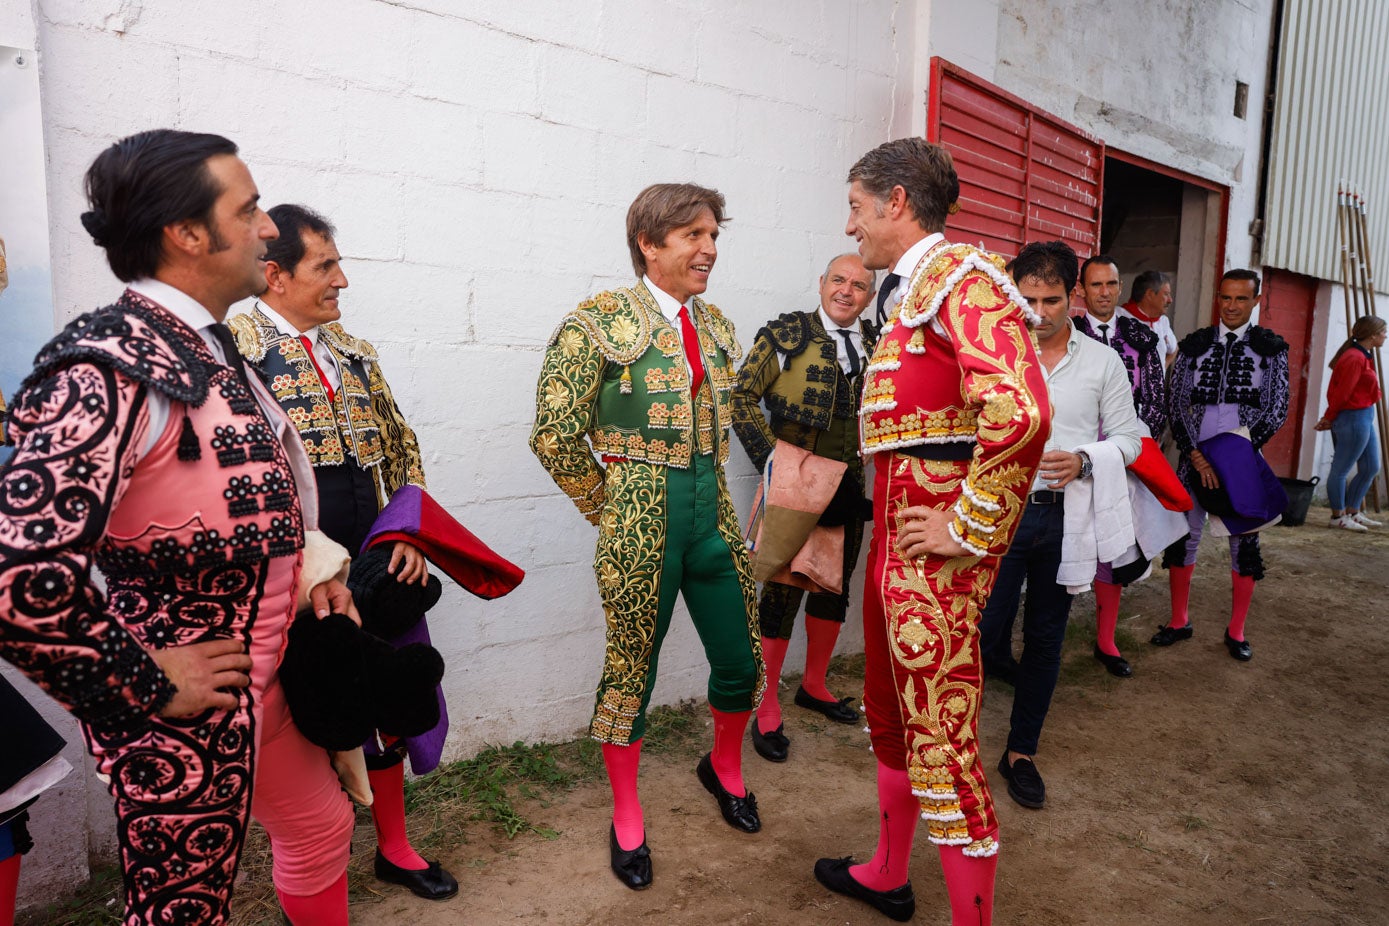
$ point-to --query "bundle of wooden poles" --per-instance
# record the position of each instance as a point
(1358, 278)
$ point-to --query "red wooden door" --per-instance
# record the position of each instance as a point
(1288, 304)
(1024, 174)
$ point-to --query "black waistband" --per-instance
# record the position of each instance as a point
(954, 450)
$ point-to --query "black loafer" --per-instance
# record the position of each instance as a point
(1239, 649)
(838, 711)
(740, 812)
(1118, 666)
(633, 868)
(1025, 783)
(1166, 636)
(770, 746)
(432, 883)
(898, 904)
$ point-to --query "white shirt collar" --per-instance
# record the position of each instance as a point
(833, 326)
(906, 264)
(1238, 332)
(1113, 321)
(284, 326)
(668, 304)
(178, 303)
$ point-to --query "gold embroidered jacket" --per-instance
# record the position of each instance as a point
(361, 421)
(614, 373)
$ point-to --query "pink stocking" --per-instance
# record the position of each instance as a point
(326, 908)
(898, 813)
(820, 636)
(769, 711)
(1106, 615)
(1241, 594)
(9, 888)
(727, 757)
(1179, 583)
(628, 823)
(970, 883)
(388, 813)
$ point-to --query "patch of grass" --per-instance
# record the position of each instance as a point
(488, 787)
(96, 903)
(677, 728)
(1192, 822)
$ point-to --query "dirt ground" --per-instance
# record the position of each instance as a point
(1200, 791)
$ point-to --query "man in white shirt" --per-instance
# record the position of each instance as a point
(144, 448)
(807, 368)
(1149, 299)
(1090, 396)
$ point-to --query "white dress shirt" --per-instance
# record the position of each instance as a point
(326, 361)
(192, 313)
(670, 307)
(841, 349)
(1090, 395)
(904, 268)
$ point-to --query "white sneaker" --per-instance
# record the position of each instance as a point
(1346, 522)
(1359, 518)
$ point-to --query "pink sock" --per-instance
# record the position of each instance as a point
(388, 813)
(622, 763)
(9, 888)
(898, 812)
(820, 636)
(1106, 615)
(1241, 594)
(1179, 584)
(727, 756)
(970, 883)
(326, 908)
(769, 711)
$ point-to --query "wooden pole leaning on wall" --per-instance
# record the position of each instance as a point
(1364, 278)
(1343, 228)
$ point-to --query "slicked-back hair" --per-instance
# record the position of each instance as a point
(143, 183)
(1241, 274)
(1048, 261)
(1097, 260)
(293, 220)
(872, 274)
(1149, 281)
(925, 171)
(663, 207)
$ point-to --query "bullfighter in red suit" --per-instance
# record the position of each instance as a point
(955, 415)
(140, 450)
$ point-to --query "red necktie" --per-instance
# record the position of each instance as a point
(308, 346)
(690, 337)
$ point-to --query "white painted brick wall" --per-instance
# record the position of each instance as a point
(478, 160)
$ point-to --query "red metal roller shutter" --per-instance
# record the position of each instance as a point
(1025, 175)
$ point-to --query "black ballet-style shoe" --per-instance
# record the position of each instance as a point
(838, 711)
(740, 812)
(1117, 666)
(770, 746)
(632, 867)
(1239, 649)
(1167, 635)
(432, 883)
(898, 904)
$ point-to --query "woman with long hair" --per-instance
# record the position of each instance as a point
(1350, 417)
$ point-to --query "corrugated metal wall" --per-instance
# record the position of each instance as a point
(1331, 123)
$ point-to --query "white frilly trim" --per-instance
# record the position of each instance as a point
(886, 406)
(977, 500)
(984, 853)
(974, 522)
(953, 841)
(884, 365)
(975, 261)
(955, 535)
(916, 348)
(942, 817)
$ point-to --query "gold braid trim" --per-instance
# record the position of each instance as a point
(617, 322)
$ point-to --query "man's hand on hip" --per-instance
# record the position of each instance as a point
(925, 531)
(199, 671)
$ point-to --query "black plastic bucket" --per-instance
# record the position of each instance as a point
(1299, 499)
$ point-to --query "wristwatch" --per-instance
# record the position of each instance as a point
(1086, 468)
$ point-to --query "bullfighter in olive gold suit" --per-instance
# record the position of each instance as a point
(644, 373)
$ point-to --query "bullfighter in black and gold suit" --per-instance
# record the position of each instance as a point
(644, 373)
(331, 386)
(807, 368)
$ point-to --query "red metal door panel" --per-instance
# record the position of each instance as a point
(1024, 174)
(1289, 302)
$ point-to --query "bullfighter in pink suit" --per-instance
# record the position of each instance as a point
(139, 450)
